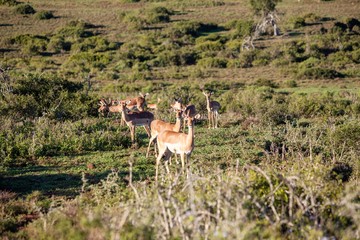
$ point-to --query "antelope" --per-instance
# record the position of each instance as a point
(138, 103)
(187, 110)
(175, 142)
(136, 119)
(158, 126)
(154, 106)
(213, 110)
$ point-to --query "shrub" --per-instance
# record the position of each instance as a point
(291, 83)
(75, 30)
(43, 15)
(318, 73)
(158, 15)
(339, 27)
(181, 29)
(265, 82)
(311, 18)
(212, 62)
(347, 135)
(58, 44)
(351, 23)
(92, 44)
(24, 9)
(297, 22)
(209, 46)
(241, 28)
(9, 2)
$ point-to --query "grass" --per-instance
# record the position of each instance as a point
(282, 165)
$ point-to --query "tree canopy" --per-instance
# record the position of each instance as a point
(263, 6)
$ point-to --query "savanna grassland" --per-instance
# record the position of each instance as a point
(283, 164)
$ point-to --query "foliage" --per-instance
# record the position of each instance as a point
(263, 6)
(24, 9)
(43, 15)
(9, 2)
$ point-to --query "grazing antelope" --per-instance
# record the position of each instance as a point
(174, 142)
(136, 119)
(158, 126)
(213, 110)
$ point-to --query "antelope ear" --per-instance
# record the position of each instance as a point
(146, 94)
(141, 94)
(127, 102)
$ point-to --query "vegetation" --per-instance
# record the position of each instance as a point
(282, 165)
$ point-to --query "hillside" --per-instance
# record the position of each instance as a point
(283, 163)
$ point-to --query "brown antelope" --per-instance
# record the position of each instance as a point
(136, 119)
(158, 126)
(213, 110)
(174, 142)
(187, 110)
(154, 106)
(138, 103)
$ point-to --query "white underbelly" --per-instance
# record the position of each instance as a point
(175, 148)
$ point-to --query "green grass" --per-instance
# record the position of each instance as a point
(283, 164)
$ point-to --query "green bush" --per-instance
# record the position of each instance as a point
(58, 44)
(43, 15)
(311, 18)
(180, 29)
(318, 73)
(352, 23)
(9, 2)
(24, 9)
(212, 62)
(92, 44)
(158, 15)
(347, 135)
(241, 28)
(297, 22)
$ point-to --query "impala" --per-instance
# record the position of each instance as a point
(158, 126)
(174, 142)
(138, 103)
(213, 110)
(136, 119)
(187, 110)
(154, 106)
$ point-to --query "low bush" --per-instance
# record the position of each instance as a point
(58, 44)
(318, 73)
(24, 9)
(44, 15)
(158, 15)
(212, 62)
(9, 2)
(297, 22)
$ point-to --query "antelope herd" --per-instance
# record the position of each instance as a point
(167, 137)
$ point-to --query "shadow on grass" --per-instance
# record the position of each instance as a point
(57, 184)
(49, 181)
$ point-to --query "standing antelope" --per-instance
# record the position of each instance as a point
(158, 126)
(136, 119)
(138, 103)
(174, 142)
(187, 110)
(213, 110)
(154, 106)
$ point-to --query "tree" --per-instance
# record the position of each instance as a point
(263, 7)
(267, 10)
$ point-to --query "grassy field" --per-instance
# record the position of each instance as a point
(284, 163)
